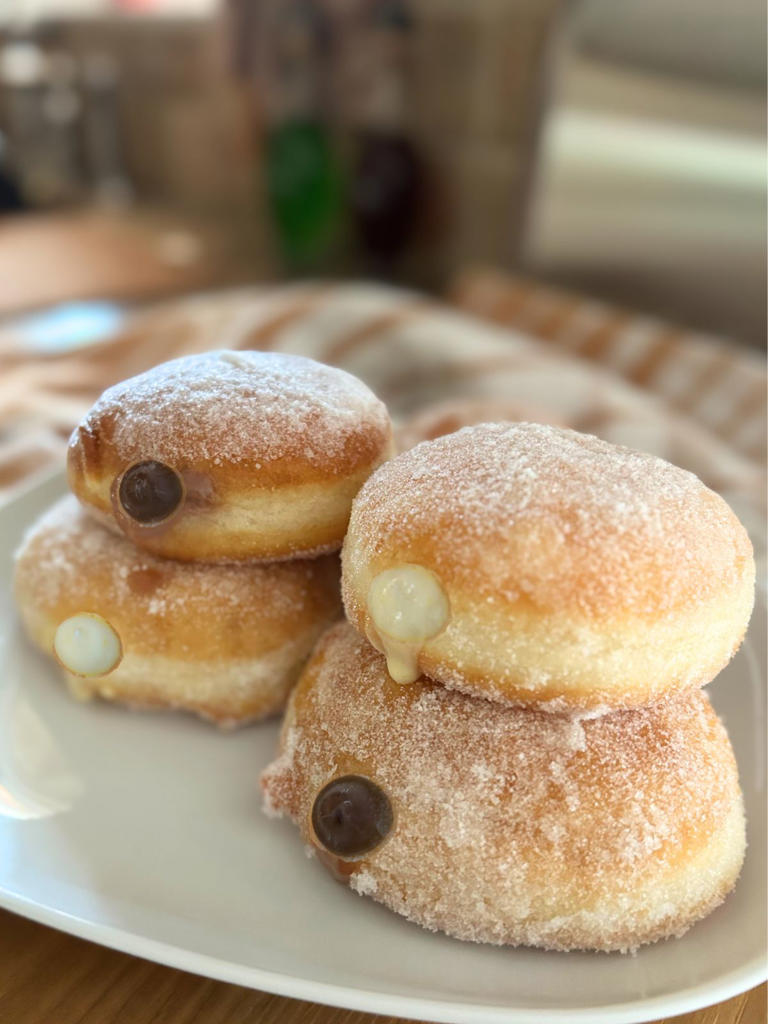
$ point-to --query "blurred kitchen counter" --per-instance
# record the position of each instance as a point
(128, 256)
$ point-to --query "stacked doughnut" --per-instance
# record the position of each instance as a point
(508, 741)
(199, 565)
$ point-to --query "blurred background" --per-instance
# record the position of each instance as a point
(149, 147)
(348, 179)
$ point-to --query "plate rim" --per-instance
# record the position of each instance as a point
(748, 976)
(441, 1011)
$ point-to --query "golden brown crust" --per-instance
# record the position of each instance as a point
(252, 435)
(513, 826)
(567, 561)
(260, 621)
(563, 519)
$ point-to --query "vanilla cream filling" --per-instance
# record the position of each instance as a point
(87, 645)
(407, 607)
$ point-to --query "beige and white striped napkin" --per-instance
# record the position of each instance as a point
(415, 352)
(720, 385)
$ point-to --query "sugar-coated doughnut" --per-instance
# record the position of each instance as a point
(507, 825)
(229, 456)
(536, 565)
(224, 641)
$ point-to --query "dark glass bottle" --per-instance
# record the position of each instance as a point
(385, 193)
(11, 199)
(387, 181)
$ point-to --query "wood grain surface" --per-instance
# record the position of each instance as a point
(47, 977)
(132, 256)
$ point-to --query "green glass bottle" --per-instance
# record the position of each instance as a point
(305, 191)
(303, 176)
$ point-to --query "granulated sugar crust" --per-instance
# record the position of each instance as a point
(514, 826)
(230, 408)
(67, 562)
(557, 519)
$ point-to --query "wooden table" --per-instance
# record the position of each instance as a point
(130, 256)
(47, 977)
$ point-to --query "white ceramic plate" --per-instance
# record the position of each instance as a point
(144, 832)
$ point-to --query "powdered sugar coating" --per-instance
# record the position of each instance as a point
(226, 641)
(514, 826)
(545, 515)
(228, 408)
(69, 548)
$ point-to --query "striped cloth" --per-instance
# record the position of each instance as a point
(720, 385)
(416, 353)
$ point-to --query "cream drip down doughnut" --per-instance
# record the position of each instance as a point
(575, 574)
(229, 456)
(224, 641)
(407, 606)
(507, 825)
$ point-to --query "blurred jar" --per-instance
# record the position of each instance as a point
(43, 111)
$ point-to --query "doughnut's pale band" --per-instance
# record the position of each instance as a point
(252, 525)
(228, 693)
(523, 655)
